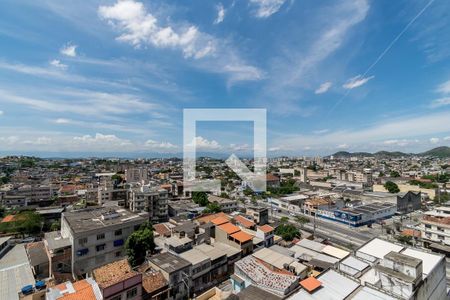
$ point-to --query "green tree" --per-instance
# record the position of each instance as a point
(392, 187)
(138, 243)
(395, 174)
(117, 178)
(284, 220)
(287, 231)
(224, 195)
(55, 226)
(302, 220)
(200, 198)
(212, 208)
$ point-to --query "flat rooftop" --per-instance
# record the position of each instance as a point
(379, 248)
(169, 262)
(55, 241)
(96, 218)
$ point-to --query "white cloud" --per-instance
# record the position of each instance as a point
(323, 88)
(434, 140)
(342, 146)
(237, 147)
(356, 81)
(9, 140)
(57, 63)
(139, 27)
(43, 140)
(201, 143)
(408, 127)
(266, 8)
(76, 101)
(1, 113)
(159, 145)
(102, 140)
(444, 88)
(440, 102)
(69, 50)
(400, 143)
(273, 149)
(447, 138)
(321, 131)
(62, 121)
(220, 14)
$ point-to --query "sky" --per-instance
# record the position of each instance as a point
(113, 77)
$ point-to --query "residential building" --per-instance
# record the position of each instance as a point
(136, 175)
(59, 253)
(435, 226)
(259, 214)
(150, 200)
(176, 271)
(117, 281)
(98, 235)
(226, 205)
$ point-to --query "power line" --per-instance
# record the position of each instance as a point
(386, 50)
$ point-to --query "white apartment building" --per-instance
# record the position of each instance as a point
(98, 235)
(154, 201)
(435, 226)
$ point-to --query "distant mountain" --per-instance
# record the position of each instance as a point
(345, 154)
(391, 154)
(440, 152)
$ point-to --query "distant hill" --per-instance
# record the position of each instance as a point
(440, 152)
(345, 154)
(391, 154)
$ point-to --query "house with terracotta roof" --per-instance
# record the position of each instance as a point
(266, 233)
(86, 289)
(232, 235)
(117, 280)
(244, 222)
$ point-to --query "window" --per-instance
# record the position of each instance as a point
(118, 297)
(132, 293)
(118, 232)
(441, 237)
(136, 227)
(427, 226)
(100, 236)
(100, 247)
(118, 253)
(82, 241)
(440, 229)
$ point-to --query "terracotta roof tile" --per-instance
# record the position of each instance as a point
(152, 281)
(242, 236)
(113, 273)
(161, 229)
(266, 228)
(244, 221)
(219, 221)
(208, 218)
(229, 228)
(310, 284)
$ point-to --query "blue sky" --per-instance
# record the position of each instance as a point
(115, 76)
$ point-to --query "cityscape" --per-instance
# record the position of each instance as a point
(254, 149)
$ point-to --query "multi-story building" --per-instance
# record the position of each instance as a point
(260, 214)
(177, 271)
(226, 205)
(435, 226)
(27, 195)
(153, 201)
(97, 236)
(136, 175)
